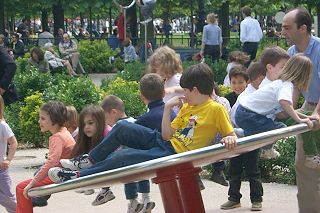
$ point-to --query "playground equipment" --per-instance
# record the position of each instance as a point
(125, 14)
(176, 174)
(145, 24)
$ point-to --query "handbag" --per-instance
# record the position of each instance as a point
(10, 95)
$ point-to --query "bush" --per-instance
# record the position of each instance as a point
(133, 71)
(95, 56)
(29, 116)
(12, 118)
(128, 91)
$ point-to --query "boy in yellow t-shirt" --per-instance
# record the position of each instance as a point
(197, 123)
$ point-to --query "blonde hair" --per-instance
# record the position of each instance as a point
(165, 62)
(72, 117)
(239, 57)
(211, 18)
(1, 108)
(298, 70)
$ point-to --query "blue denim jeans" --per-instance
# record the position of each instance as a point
(143, 144)
(132, 189)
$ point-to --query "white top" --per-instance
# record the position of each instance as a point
(226, 81)
(265, 100)
(172, 82)
(264, 82)
(250, 89)
(250, 30)
(5, 134)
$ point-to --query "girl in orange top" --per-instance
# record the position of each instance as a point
(51, 118)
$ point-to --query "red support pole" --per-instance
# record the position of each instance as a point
(179, 189)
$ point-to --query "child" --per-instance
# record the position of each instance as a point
(197, 123)
(235, 58)
(239, 81)
(7, 198)
(72, 121)
(130, 54)
(52, 118)
(165, 62)
(254, 116)
(147, 7)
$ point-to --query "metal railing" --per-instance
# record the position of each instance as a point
(149, 169)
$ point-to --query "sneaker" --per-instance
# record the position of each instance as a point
(312, 162)
(239, 132)
(39, 204)
(77, 163)
(219, 177)
(88, 192)
(256, 206)
(269, 153)
(134, 206)
(200, 183)
(230, 205)
(147, 205)
(59, 175)
(104, 196)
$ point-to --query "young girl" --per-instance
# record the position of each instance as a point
(235, 58)
(72, 121)
(165, 62)
(254, 115)
(92, 129)
(7, 198)
(130, 54)
(51, 118)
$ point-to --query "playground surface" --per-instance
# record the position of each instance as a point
(278, 198)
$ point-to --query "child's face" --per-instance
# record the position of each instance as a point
(90, 126)
(189, 96)
(45, 122)
(238, 84)
(273, 72)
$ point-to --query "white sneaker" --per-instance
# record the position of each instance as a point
(88, 192)
(239, 132)
(104, 196)
(147, 205)
(77, 163)
(269, 153)
(134, 206)
(312, 162)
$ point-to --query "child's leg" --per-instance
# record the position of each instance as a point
(24, 205)
(235, 172)
(131, 190)
(144, 188)
(250, 161)
(128, 134)
(7, 198)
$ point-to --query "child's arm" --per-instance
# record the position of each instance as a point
(174, 89)
(167, 130)
(287, 106)
(12, 141)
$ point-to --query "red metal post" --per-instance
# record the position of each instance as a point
(179, 189)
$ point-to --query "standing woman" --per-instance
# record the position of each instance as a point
(211, 39)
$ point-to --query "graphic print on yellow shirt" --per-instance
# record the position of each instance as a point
(196, 126)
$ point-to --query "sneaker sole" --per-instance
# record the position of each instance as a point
(149, 207)
(230, 207)
(53, 175)
(102, 201)
(256, 209)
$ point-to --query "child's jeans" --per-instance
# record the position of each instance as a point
(132, 189)
(7, 198)
(143, 144)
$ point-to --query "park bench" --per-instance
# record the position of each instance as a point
(176, 174)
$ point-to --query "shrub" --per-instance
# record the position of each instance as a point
(78, 92)
(133, 71)
(29, 116)
(128, 91)
(95, 56)
(12, 119)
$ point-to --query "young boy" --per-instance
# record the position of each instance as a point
(238, 81)
(147, 7)
(197, 123)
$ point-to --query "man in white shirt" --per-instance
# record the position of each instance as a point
(250, 33)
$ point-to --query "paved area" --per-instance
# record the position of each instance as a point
(277, 197)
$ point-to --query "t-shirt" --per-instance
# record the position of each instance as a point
(265, 100)
(5, 134)
(196, 126)
(174, 81)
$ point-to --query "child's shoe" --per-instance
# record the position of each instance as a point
(77, 163)
(256, 206)
(59, 175)
(239, 132)
(88, 192)
(134, 206)
(219, 177)
(230, 205)
(269, 153)
(104, 196)
(312, 162)
(147, 205)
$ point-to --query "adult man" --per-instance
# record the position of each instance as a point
(16, 45)
(296, 27)
(45, 37)
(250, 33)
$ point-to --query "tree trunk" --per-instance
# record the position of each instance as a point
(201, 16)
(110, 21)
(81, 20)
(44, 19)
(2, 26)
(224, 21)
(132, 20)
(58, 17)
